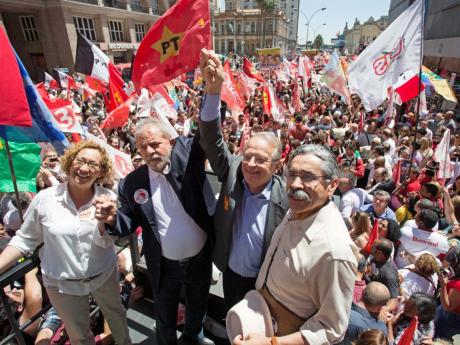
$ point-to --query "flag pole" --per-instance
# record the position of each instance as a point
(417, 109)
(13, 178)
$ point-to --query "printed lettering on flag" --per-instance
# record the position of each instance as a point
(395, 51)
(67, 119)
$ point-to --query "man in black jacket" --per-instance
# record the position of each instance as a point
(167, 198)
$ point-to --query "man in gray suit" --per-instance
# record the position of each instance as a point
(252, 200)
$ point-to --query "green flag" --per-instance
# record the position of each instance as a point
(26, 163)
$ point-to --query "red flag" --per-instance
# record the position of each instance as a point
(117, 95)
(266, 102)
(245, 137)
(246, 85)
(162, 91)
(230, 93)
(397, 173)
(372, 237)
(95, 84)
(172, 46)
(118, 117)
(408, 335)
(14, 108)
(50, 82)
(42, 91)
(407, 86)
(250, 71)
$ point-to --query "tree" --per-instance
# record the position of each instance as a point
(318, 42)
(265, 6)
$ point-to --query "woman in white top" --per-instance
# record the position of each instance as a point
(77, 257)
(421, 277)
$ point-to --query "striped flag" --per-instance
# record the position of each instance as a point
(44, 126)
(90, 60)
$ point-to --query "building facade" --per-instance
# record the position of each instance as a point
(290, 8)
(359, 36)
(242, 31)
(441, 34)
(44, 32)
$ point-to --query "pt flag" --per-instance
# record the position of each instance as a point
(44, 127)
(26, 163)
(14, 108)
(90, 60)
(172, 46)
(395, 51)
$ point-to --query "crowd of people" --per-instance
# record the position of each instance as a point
(330, 226)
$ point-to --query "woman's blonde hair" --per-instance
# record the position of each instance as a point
(426, 264)
(371, 337)
(69, 155)
(361, 223)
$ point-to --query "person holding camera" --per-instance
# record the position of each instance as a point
(447, 320)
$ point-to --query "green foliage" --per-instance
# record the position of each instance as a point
(318, 42)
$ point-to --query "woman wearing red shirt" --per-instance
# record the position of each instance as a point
(447, 321)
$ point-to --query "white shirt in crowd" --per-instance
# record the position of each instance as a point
(416, 242)
(414, 282)
(73, 247)
(392, 144)
(352, 200)
(180, 236)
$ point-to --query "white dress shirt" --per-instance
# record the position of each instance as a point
(352, 200)
(73, 247)
(180, 236)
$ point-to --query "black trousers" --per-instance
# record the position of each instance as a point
(236, 287)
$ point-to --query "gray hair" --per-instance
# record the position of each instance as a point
(383, 194)
(350, 176)
(271, 138)
(328, 161)
(153, 122)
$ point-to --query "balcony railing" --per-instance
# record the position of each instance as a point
(139, 8)
(116, 4)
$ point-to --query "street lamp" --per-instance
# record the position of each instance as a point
(315, 30)
(309, 20)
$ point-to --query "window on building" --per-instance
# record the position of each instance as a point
(222, 47)
(115, 31)
(85, 26)
(155, 8)
(222, 29)
(238, 28)
(253, 27)
(136, 2)
(140, 31)
(28, 28)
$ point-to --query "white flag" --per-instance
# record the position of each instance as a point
(441, 155)
(64, 79)
(395, 51)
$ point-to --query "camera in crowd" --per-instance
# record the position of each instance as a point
(347, 163)
(431, 168)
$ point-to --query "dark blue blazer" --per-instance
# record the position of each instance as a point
(188, 179)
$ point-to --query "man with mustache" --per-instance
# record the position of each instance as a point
(309, 271)
(167, 198)
(252, 201)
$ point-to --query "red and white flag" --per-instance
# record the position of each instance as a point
(230, 93)
(395, 51)
(121, 161)
(407, 86)
(65, 116)
(334, 77)
(66, 81)
(50, 82)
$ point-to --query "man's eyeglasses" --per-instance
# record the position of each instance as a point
(305, 177)
(257, 159)
(92, 165)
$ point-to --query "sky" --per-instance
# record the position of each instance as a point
(337, 13)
